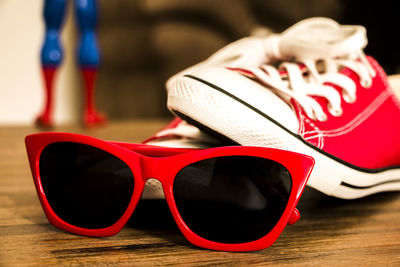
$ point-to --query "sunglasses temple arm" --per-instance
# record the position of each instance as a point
(294, 217)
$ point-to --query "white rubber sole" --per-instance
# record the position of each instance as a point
(234, 119)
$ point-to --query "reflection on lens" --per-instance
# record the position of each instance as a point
(85, 186)
(232, 199)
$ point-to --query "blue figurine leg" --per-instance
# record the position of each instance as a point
(88, 56)
(51, 53)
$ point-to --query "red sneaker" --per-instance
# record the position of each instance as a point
(332, 103)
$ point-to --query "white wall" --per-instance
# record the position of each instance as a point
(21, 85)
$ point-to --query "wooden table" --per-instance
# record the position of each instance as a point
(331, 231)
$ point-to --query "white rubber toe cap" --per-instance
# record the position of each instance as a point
(240, 88)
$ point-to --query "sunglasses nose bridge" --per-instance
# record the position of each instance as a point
(152, 168)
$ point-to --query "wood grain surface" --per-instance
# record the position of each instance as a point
(331, 231)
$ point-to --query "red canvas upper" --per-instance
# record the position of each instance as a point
(367, 133)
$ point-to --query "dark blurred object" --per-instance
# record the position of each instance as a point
(146, 41)
(281, 14)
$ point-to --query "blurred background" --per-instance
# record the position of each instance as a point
(143, 42)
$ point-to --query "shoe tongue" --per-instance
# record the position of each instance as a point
(319, 38)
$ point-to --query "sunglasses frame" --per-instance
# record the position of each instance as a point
(163, 164)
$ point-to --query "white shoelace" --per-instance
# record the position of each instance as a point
(311, 44)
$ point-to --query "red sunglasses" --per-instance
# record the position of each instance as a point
(224, 198)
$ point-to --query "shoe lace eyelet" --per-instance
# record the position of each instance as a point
(336, 112)
(367, 83)
(349, 99)
(322, 118)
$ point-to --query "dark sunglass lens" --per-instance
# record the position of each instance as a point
(85, 186)
(232, 199)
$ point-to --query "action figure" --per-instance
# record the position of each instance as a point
(88, 55)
